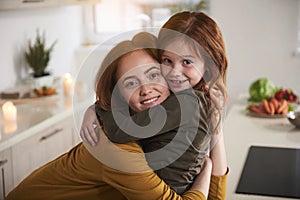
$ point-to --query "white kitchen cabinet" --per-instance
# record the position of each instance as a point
(23, 4)
(6, 173)
(41, 148)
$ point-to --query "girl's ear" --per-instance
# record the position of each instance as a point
(207, 76)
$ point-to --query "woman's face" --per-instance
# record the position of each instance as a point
(140, 81)
(181, 66)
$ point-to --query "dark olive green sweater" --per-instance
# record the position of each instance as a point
(174, 135)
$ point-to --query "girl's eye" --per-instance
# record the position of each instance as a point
(154, 75)
(166, 61)
(130, 84)
(187, 62)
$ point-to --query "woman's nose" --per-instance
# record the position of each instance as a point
(145, 89)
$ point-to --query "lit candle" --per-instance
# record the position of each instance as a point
(10, 127)
(9, 111)
(10, 117)
(68, 85)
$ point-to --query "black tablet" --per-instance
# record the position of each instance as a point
(271, 171)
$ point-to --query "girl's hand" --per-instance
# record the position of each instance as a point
(90, 121)
(202, 181)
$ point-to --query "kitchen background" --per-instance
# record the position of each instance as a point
(260, 35)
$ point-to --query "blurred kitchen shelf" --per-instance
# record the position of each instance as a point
(29, 4)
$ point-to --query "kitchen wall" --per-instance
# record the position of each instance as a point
(260, 35)
(261, 38)
(63, 24)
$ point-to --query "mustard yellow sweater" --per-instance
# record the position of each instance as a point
(122, 173)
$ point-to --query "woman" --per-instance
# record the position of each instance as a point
(112, 171)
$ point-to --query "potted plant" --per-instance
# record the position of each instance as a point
(190, 5)
(37, 57)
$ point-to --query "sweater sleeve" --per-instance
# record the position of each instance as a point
(217, 189)
(124, 167)
(147, 186)
(128, 132)
(144, 185)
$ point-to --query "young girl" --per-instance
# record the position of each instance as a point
(192, 55)
(113, 171)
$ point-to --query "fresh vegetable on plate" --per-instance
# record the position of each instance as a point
(271, 107)
(286, 94)
(260, 89)
(45, 91)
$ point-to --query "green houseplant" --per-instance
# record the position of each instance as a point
(38, 55)
(190, 5)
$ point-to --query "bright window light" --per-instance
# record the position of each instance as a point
(116, 16)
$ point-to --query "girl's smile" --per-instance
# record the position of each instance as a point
(182, 66)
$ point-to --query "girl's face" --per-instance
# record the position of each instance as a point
(181, 66)
(140, 81)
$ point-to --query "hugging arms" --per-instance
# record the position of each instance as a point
(105, 170)
(191, 62)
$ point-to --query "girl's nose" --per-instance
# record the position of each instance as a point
(175, 71)
(145, 90)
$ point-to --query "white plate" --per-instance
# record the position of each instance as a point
(253, 114)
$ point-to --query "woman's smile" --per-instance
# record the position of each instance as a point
(150, 100)
(141, 82)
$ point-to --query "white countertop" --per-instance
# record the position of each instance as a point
(39, 115)
(242, 131)
(32, 118)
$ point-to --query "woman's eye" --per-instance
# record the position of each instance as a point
(131, 84)
(187, 62)
(154, 75)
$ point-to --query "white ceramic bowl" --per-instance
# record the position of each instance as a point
(294, 118)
